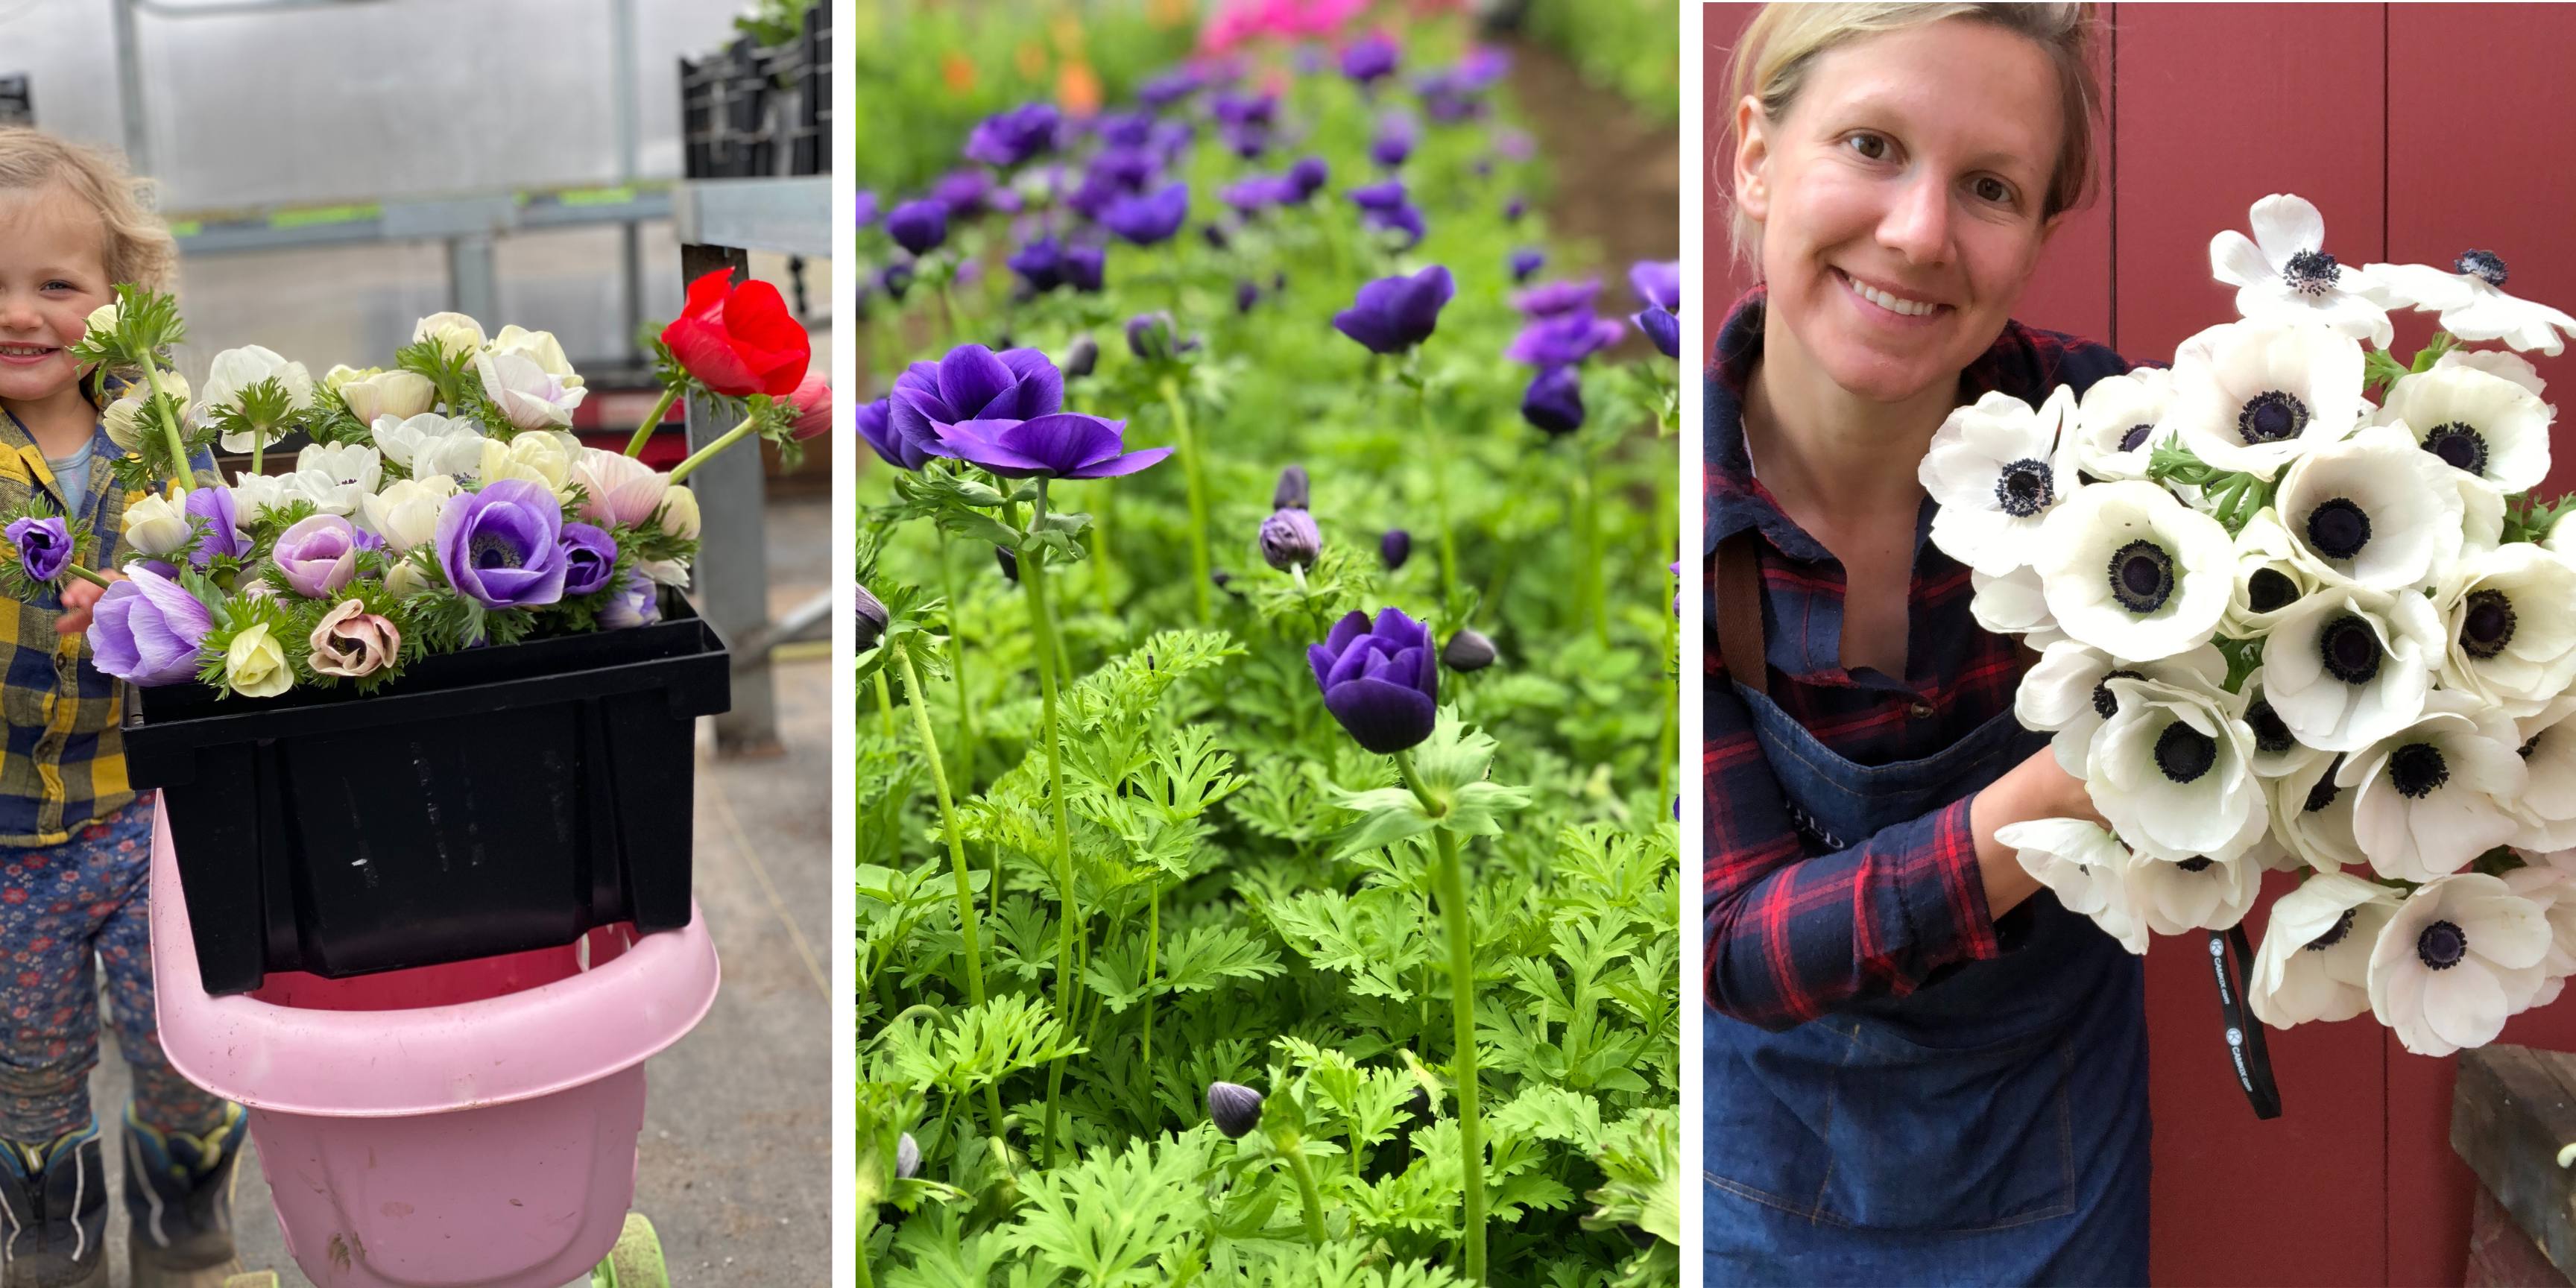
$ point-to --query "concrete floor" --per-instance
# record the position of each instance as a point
(736, 1153)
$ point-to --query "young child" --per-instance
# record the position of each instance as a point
(75, 840)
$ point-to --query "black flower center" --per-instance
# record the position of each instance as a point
(2488, 625)
(2416, 769)
(2185, 753)
(2198, 863)
(2270, 590)
(2459, 445)
(2271, 737)
(2442, 945)
(494, 552)
(2137, 436)
(2310, 272)
(2106, 704)
(2529, 745)
(2025, 488)
(2271, 416)
(2333, 936)
(2338, 528)
(2324, 791)
(2142, 576)
(2482, 265)
(2350, 649)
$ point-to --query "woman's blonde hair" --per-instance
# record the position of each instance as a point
(133, 243)
(1779, 49)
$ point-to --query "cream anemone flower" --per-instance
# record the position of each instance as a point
(2485, 426)
(2014, 604)
(2554, 889)
(2510, 618)
(2085, 867)
(2315, 959)
(336, 477)
(1997, 467)
(2277, 751)
(2267, 393)
(2068, 693)
(2461, 954)
(257, 494)
(2119, 422)
(2176, 895)
(430, 443)
(2547, 805)
(2284, 275)
(2473, 304)
(2172, 771)
(2347, 666)
(2373, 510)
(2437, 793)
(2312, 817)
(2270, 577)
(2133, 572)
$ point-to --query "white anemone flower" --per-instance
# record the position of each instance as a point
(2194, 892)
(257, 494)
(2267, 393)
(2503, 363)
(2374, 510)
(2315, 959)
(2510, 617)
(2014, 604)
(2437, 793)
(1997, 467)
(2548, 801)
(336, 477)
(2460, 955)
(2172, 771)
(2085, 867)
(2270, 577)
(2133, 572)
(2346, 666)
(2554, 889)
(235, 370)
(2483, 425)
(2068, 693)
(2277, 751)
(2473, 304)
(2312, 817)
(430, 443)
(2119, 422)
(2284, 275)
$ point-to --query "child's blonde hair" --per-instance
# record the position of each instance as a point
(133, 244)
(1780, 48)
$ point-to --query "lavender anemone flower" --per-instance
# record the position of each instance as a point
(1040, 264)
(1381, 680)
(1309, 174)
(1394, 547)
(1555, 299)
(1085, 268)
(1393, 314)
(1250, 196)
(1658, 283)
(917, 226)
(1563, 340)
(1370, 59)
(318, 555)
(635, 603)
(876, 428)
(867, 207)
(1526, 261)
(501, 547)
(1664, 328)
(44, 546)
(1289, 539)
(1064, 445)
(146, 629)
(1148, 220)
(1009, 138)
(1554, 401)
(590, 558)
(223, 535)
(971, 383)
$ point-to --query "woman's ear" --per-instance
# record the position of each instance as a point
(1752, 159)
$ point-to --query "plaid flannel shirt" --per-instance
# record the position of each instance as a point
(64, 766)
(1799, 924)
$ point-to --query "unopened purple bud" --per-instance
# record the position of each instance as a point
(1010, 562)
(1246, 294)
(1514, 209)
(872, 620)
(1394, 548)
(1292, 490)
(1234, 1108)
(1468, 650)
(1082, 358)
(1290, 539)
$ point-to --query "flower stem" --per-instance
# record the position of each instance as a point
(885, 704)
(1051, 661)
(966, 920)
(652, 421)
(1199, 583)
(1307, 1193)
(1449, 886)
(181, 474)
(75, 570)
(708, 452)
(1587, 545)
(957, 668)
(1153, 940)
(1439, 455)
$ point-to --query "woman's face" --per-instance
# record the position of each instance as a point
(1913, 166)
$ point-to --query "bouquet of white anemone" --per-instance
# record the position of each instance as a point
(2300, 611)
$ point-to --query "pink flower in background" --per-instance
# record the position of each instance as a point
(813, 401)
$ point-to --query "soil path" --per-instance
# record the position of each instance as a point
(1618, 177)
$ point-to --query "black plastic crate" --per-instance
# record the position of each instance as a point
(491, 801)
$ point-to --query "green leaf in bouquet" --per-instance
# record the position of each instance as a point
(1641, 1161)
(241, 615)
(2171, 462)
(262, 412)
(450, 372)
(147, 324)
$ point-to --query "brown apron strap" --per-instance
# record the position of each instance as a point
(1739, 610)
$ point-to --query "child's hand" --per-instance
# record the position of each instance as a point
(78, 598)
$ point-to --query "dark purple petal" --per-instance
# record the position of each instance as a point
(1120, 466)
(1063, 442)
(1041, 385)
(970, 379)
(1382, 717)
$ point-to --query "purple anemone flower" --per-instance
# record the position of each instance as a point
(1664, 328)
(1040, 264)
(918, 226)
(1525, 261)
(1563, 340)
(1387, 195)
(1393, 314)
(1514, 209)
(44, 546)
(1558, 298)
(1168, 88)
(318, 555)
(876, 428)
(1125, 129)
(1009, 138)
(1151, 219)
(964, 192)
(1309, 174)
(146, 629)
(223, 534)
(1125, 169)
(1084, 268)
(1370, 59)
(635, 603)
(1403, 219)
(1396, 135)
(1250, 196)
(590, 558)
(1381, 680)
(1554, 401)
(501, 547)
(1658, 283)
(867, 207)
(1064, 445)
(971, 383)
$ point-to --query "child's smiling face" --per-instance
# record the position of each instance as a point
(53, 275)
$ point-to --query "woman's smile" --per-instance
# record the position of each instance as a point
(1885, 306)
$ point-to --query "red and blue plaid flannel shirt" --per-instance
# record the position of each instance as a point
(1798, 924)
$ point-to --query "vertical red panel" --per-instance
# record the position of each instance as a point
(1722, 279)
(2217, 106)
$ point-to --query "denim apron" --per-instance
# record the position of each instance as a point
(1988, 1128)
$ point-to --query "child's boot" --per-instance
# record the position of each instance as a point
(53, 1212)
(179, 1200)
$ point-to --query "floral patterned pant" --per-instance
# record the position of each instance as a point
(63, 910)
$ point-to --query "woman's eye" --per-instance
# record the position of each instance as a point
(1872, 146)
(1994, 190)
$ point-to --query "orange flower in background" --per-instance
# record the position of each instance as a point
(1167, 14)
(1077, 89)
(1030, 59)
(958, 70)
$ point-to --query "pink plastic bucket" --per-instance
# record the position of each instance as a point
(471, 1124)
